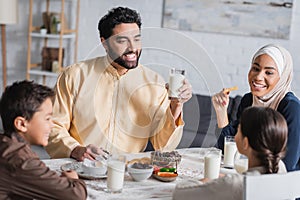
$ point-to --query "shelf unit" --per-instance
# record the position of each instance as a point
(34, 68)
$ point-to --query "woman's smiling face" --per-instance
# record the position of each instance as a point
(263, 75)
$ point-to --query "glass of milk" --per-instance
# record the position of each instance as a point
(240, 163)
(229, 151)
(212, 163)
(115, 173)
(175, 82)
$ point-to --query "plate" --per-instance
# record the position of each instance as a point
(77, 166)
(72, 166)
(164, 179)
(91, 176)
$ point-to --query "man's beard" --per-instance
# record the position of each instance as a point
(120, 61)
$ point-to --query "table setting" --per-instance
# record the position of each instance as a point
(190, 167)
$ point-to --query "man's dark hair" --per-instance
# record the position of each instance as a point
(117, 16)
(22, 99)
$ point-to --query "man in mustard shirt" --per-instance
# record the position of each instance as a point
(113, 102)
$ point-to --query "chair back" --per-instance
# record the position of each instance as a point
(272, 186)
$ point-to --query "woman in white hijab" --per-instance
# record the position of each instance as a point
(269, 78)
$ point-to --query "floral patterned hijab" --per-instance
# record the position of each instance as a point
(284, 63)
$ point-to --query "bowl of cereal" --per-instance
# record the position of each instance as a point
(140, 171)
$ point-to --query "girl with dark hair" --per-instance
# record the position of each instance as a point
(262, 137)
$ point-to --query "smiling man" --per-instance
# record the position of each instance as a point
(112, 102)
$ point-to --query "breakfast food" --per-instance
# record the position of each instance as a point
(167, 169)
(165, 165)
(144, 160)
(165, 159)
(227, 90)
(138, 165)
(139, 171)
(165, 176)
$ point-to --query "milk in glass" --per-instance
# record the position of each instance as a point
(229, 151)
(175, 82)
(115, 174)
(241, 167)
(212, 162)
(240, 163)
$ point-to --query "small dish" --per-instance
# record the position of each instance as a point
(164, 179)
(77, 166)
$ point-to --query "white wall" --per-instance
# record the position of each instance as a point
(212, 61)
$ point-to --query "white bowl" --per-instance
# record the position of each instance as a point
(139, 174)
(94, 167)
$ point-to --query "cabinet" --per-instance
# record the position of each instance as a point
(63, 35)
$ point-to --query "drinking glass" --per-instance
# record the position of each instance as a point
(240, 162)
(229, 151)
(115, 173)
(175, 82)
(212, 163)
